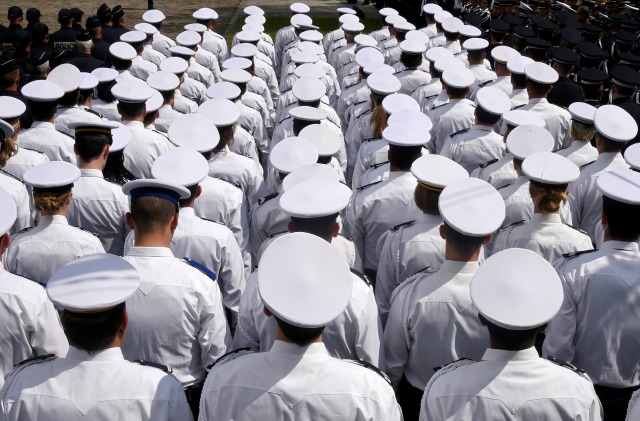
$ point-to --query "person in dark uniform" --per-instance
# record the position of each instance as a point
(82, 57)
(77, 15)
(37, 65)
(65, 37)
(118, 23)
(592, 83)
(497, 31)
(15, 17)
(519, 40)
(22, 47)
(33, 17)
(537, 49)
(57, 57)
(624, 81)
(105, 16)
(590, 55)
(100, 48)
(9, 83)
(40, 37)
(565, 91)
(591, 33)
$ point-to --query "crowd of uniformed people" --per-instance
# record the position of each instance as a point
(437, 220)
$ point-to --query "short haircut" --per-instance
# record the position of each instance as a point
(298, 125)
(84, 46)
(538, 89)
(518, 80)
(609, 145)
(192, 196)
(427, 200)
(461, 242)
(226, 137)
(131, 109)
(623, 90)
(69, 99)
(322, 226)
(104, 91)
(582, 131)
(410, 61)
(622, 219)
(42, 111)
(487, 118)
(301, 336)
(93, 332)
(475, 54)
(9, 79)
(151, 213)
(456, 93)
(503, 334)
(39, 70)
(403, 156)
(120, 64)
(563, 68)
(91, 145)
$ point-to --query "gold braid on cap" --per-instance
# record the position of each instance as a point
(435, 189)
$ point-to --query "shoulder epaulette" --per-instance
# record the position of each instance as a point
(355, 82)
(22, 231)
(162, 367)
(89, 110)
(515, 224)
(519, 106)
(454, 134)
(360, 102)
(423, 270)
(404, 224)
(36, 360)
(86, 230)
(230, 182)
(430, 96)
(251, 106)
(369, 185)
(265, 199)
(361, 276)
(569, 366)
(581, 231)
(362, 111)
(161, 134)
(486, 164)
(483, 84)
(32, 150)
(587, 164)
(371, 367)
(211, 220)
(439, 105)
(578, 253)
(459, 362)
(379, 164)
(230, 356)
(202, 268)
(284, 119)
(502, 187)
(370, 139)
(344, 236)
(276, 234)
(10, 175)
(66, 134)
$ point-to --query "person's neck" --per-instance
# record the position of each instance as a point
(455, 255)
(155, 239)
(395, 168)
(96, 164)
(281, 337)
(514, 346)
(536, 96)
(60, 212)
(49, 120)
(133, 118)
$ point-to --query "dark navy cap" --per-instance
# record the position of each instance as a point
(523, 32)
(538, 44)
(564, 55)
(625, 76)
(33, 14)
(37, 57)
(592, 77)
(591, 51)
(7, 66)
(14, 12)
(499, 26)
(592, 29)
(92, 22)
(625, 37)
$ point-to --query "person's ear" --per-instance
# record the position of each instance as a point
(335, 230)
(443, 233)
(129, 219)
(266, 311)
(198, 191)
(290, 226)
(105, 152)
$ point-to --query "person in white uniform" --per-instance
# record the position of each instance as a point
(545, 233)
(68, 77)
(32, 327)
(519, 94)
(93, 380)
(98, 205)
(432, 319)
(615, 127)
(304, 284)
(209, 243)
(412, 76)
(479, 143)
(146, 144)
(211, 40)
(36, 253)
(148, 52)
(104, 102)
(176, 314)
(140, 67)
(43, 135)
(166, 83)
(161, 42)
(312, 206)
(540, 80)
(14, 186)
(516, 293)
(417, 245)
(501, 56)
(580, 151)
(597, 326)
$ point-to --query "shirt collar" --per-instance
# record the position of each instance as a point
(425, 217)
(150, 252)
(53, 219)
(608, 156)
(619, 245)
(459, 267)
(482, 127)
(109, 354)
(133, 124)
(316, 348)
(43, 125)
(492, 354)
(187, 211)
(552, 218)
(87, 172)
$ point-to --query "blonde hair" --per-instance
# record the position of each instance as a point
(427, 200)
(582, 131)
(378, 120)
(10, 146)
(548, 199)
(48, 201)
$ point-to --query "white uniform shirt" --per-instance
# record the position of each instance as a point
(433, 322)
(633, 412)
(547, 235)
(239, 170)
(142, 68)
(66, 115)
(152, 55)
(372, 153)
(209, 61)
(215, 43)
(375, 209)
(427, 93)
(30, 323)
(176, 315)
(20, 195)
(580, 152)
(557, 120)
(39, 252)
(198, 72)
(264, 71)
(412, 79)
(100, 207)
(162, 43)
(404, 251)
(267, 220)
(355, 334)
(497, 172)
(473, 146)
(454, 116)
(108, 109)
(504, 84)
(584, 196)
(192, 89)
(596, 328)
(43, 136)
(509, 385)
(24, 159)
(292, 382)
(182, 104)
(483, 76)
(100, 387)
(166, 116)
(145, 147)
(519, 98)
